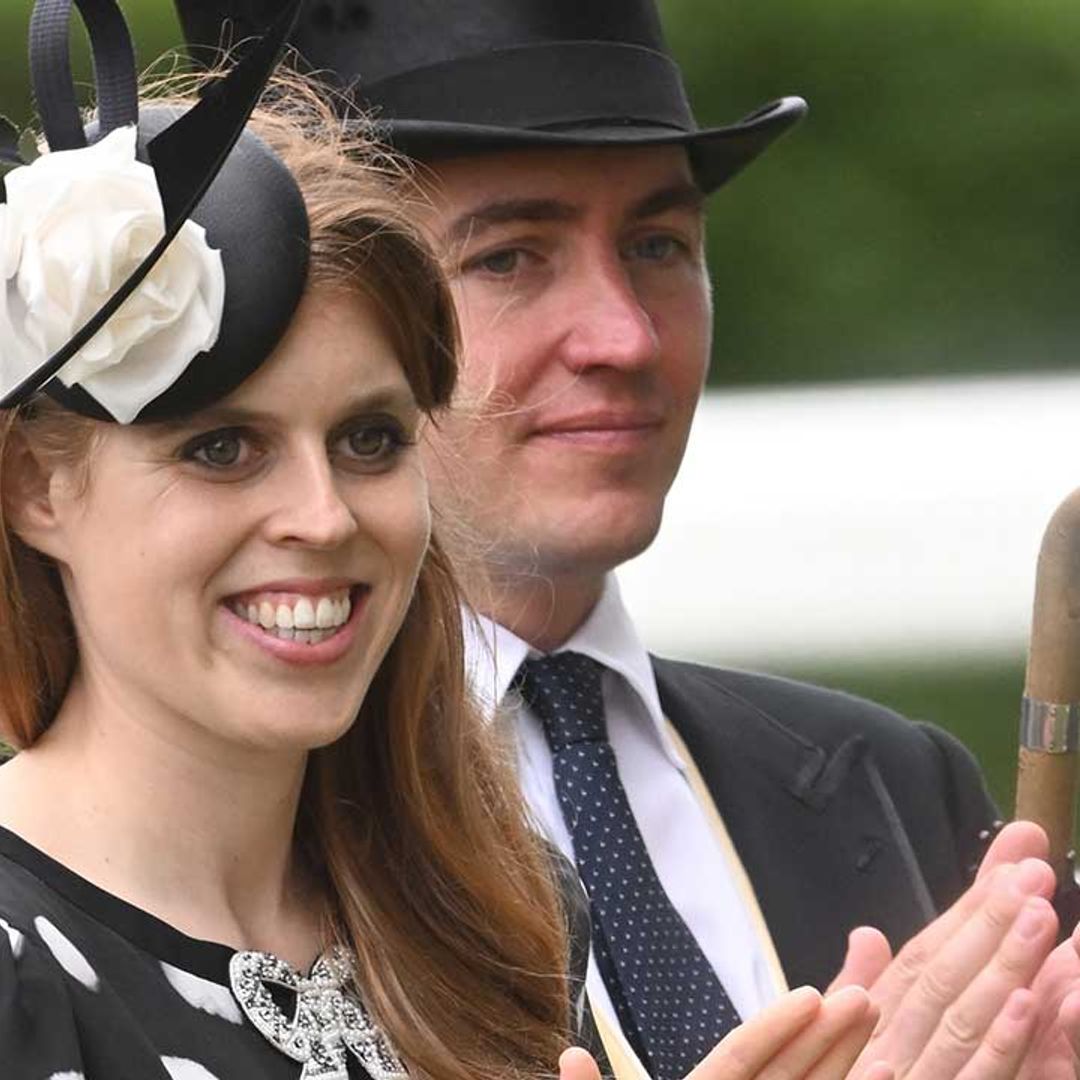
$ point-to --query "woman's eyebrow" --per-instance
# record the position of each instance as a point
(382, 397)
(218, 416)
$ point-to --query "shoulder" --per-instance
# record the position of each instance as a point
(730, 719)
(696, 695)
(40, 967)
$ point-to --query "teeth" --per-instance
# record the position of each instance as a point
(326, 614)
(307, 620)
(304, 614)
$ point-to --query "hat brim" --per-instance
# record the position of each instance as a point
(716, 154)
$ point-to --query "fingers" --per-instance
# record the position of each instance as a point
(1017, 841)
(1001, 1052)
(803, 1045)
(968, 1026)
(828, 1046)
(878, 1071)
(577, 1064)
(944, 957)
(1069, 1021)
(745, 1052)
(933, 981)
(868, 955)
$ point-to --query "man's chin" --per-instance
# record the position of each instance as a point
(585, 549)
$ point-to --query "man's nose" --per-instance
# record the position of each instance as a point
(310, 508)
(609, 324)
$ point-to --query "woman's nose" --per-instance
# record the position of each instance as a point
(312, 510)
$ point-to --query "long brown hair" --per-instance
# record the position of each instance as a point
(412, 821)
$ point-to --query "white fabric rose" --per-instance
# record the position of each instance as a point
(75, 225)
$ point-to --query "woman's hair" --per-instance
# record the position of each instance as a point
(411, 821)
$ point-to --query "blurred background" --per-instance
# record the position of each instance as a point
(892, 394)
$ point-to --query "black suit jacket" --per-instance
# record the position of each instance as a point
(843, 812)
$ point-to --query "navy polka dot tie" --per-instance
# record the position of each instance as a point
(669, 1001)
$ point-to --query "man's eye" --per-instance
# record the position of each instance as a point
(500, 263)
(218, 450)
(656, 248)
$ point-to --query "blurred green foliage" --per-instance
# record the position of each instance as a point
(925, 218)
(153, 25)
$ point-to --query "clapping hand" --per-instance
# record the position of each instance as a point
(803, 1036)
(981, 993)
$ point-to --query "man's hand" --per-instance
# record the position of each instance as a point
(954, 1002)
(800, 1037)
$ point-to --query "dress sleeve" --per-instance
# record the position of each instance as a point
(39, 1037)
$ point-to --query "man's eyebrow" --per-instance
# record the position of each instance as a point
(683, 195)
(489, 215)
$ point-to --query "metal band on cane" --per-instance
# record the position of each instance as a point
(1050, 727)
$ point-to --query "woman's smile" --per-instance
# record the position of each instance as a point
(313, 624)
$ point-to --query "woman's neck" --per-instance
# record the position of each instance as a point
(160, 813)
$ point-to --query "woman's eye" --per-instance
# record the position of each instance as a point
(218, 450)
(374, 444)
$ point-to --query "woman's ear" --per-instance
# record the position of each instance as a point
(27, 490)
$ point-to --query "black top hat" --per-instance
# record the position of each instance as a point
(449, 77)
(207, 168)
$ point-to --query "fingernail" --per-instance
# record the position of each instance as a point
(805, 994)
(1031, 875)
(1031, 922)
(853, 997)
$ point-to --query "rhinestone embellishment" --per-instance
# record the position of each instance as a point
(328, 1020)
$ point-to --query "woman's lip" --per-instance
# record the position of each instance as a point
(298, 653)
(301, 587)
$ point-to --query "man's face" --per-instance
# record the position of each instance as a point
(585, 313)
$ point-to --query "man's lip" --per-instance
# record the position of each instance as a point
(596, 421)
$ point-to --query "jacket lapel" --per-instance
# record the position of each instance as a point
(815, 828)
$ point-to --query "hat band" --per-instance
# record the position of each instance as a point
(538, 86)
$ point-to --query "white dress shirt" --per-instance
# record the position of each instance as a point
(690, 861)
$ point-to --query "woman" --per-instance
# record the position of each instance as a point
(231, 654)
(231, 650)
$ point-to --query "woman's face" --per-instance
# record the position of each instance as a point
(244, 571)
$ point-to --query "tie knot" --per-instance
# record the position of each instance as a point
(564, 691)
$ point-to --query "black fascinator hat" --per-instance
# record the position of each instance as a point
(152, 261)
(452, 77)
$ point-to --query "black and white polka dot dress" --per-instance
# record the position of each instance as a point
(92, 988)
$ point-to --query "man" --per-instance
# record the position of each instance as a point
(728, 825)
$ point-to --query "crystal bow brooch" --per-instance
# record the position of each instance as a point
(328, 1021)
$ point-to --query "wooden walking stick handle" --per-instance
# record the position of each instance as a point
(1050, 718)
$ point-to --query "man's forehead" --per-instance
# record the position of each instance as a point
(557, 184)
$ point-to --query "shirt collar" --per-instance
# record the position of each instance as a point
(493, 655)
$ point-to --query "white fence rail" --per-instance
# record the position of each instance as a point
(886, 520)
